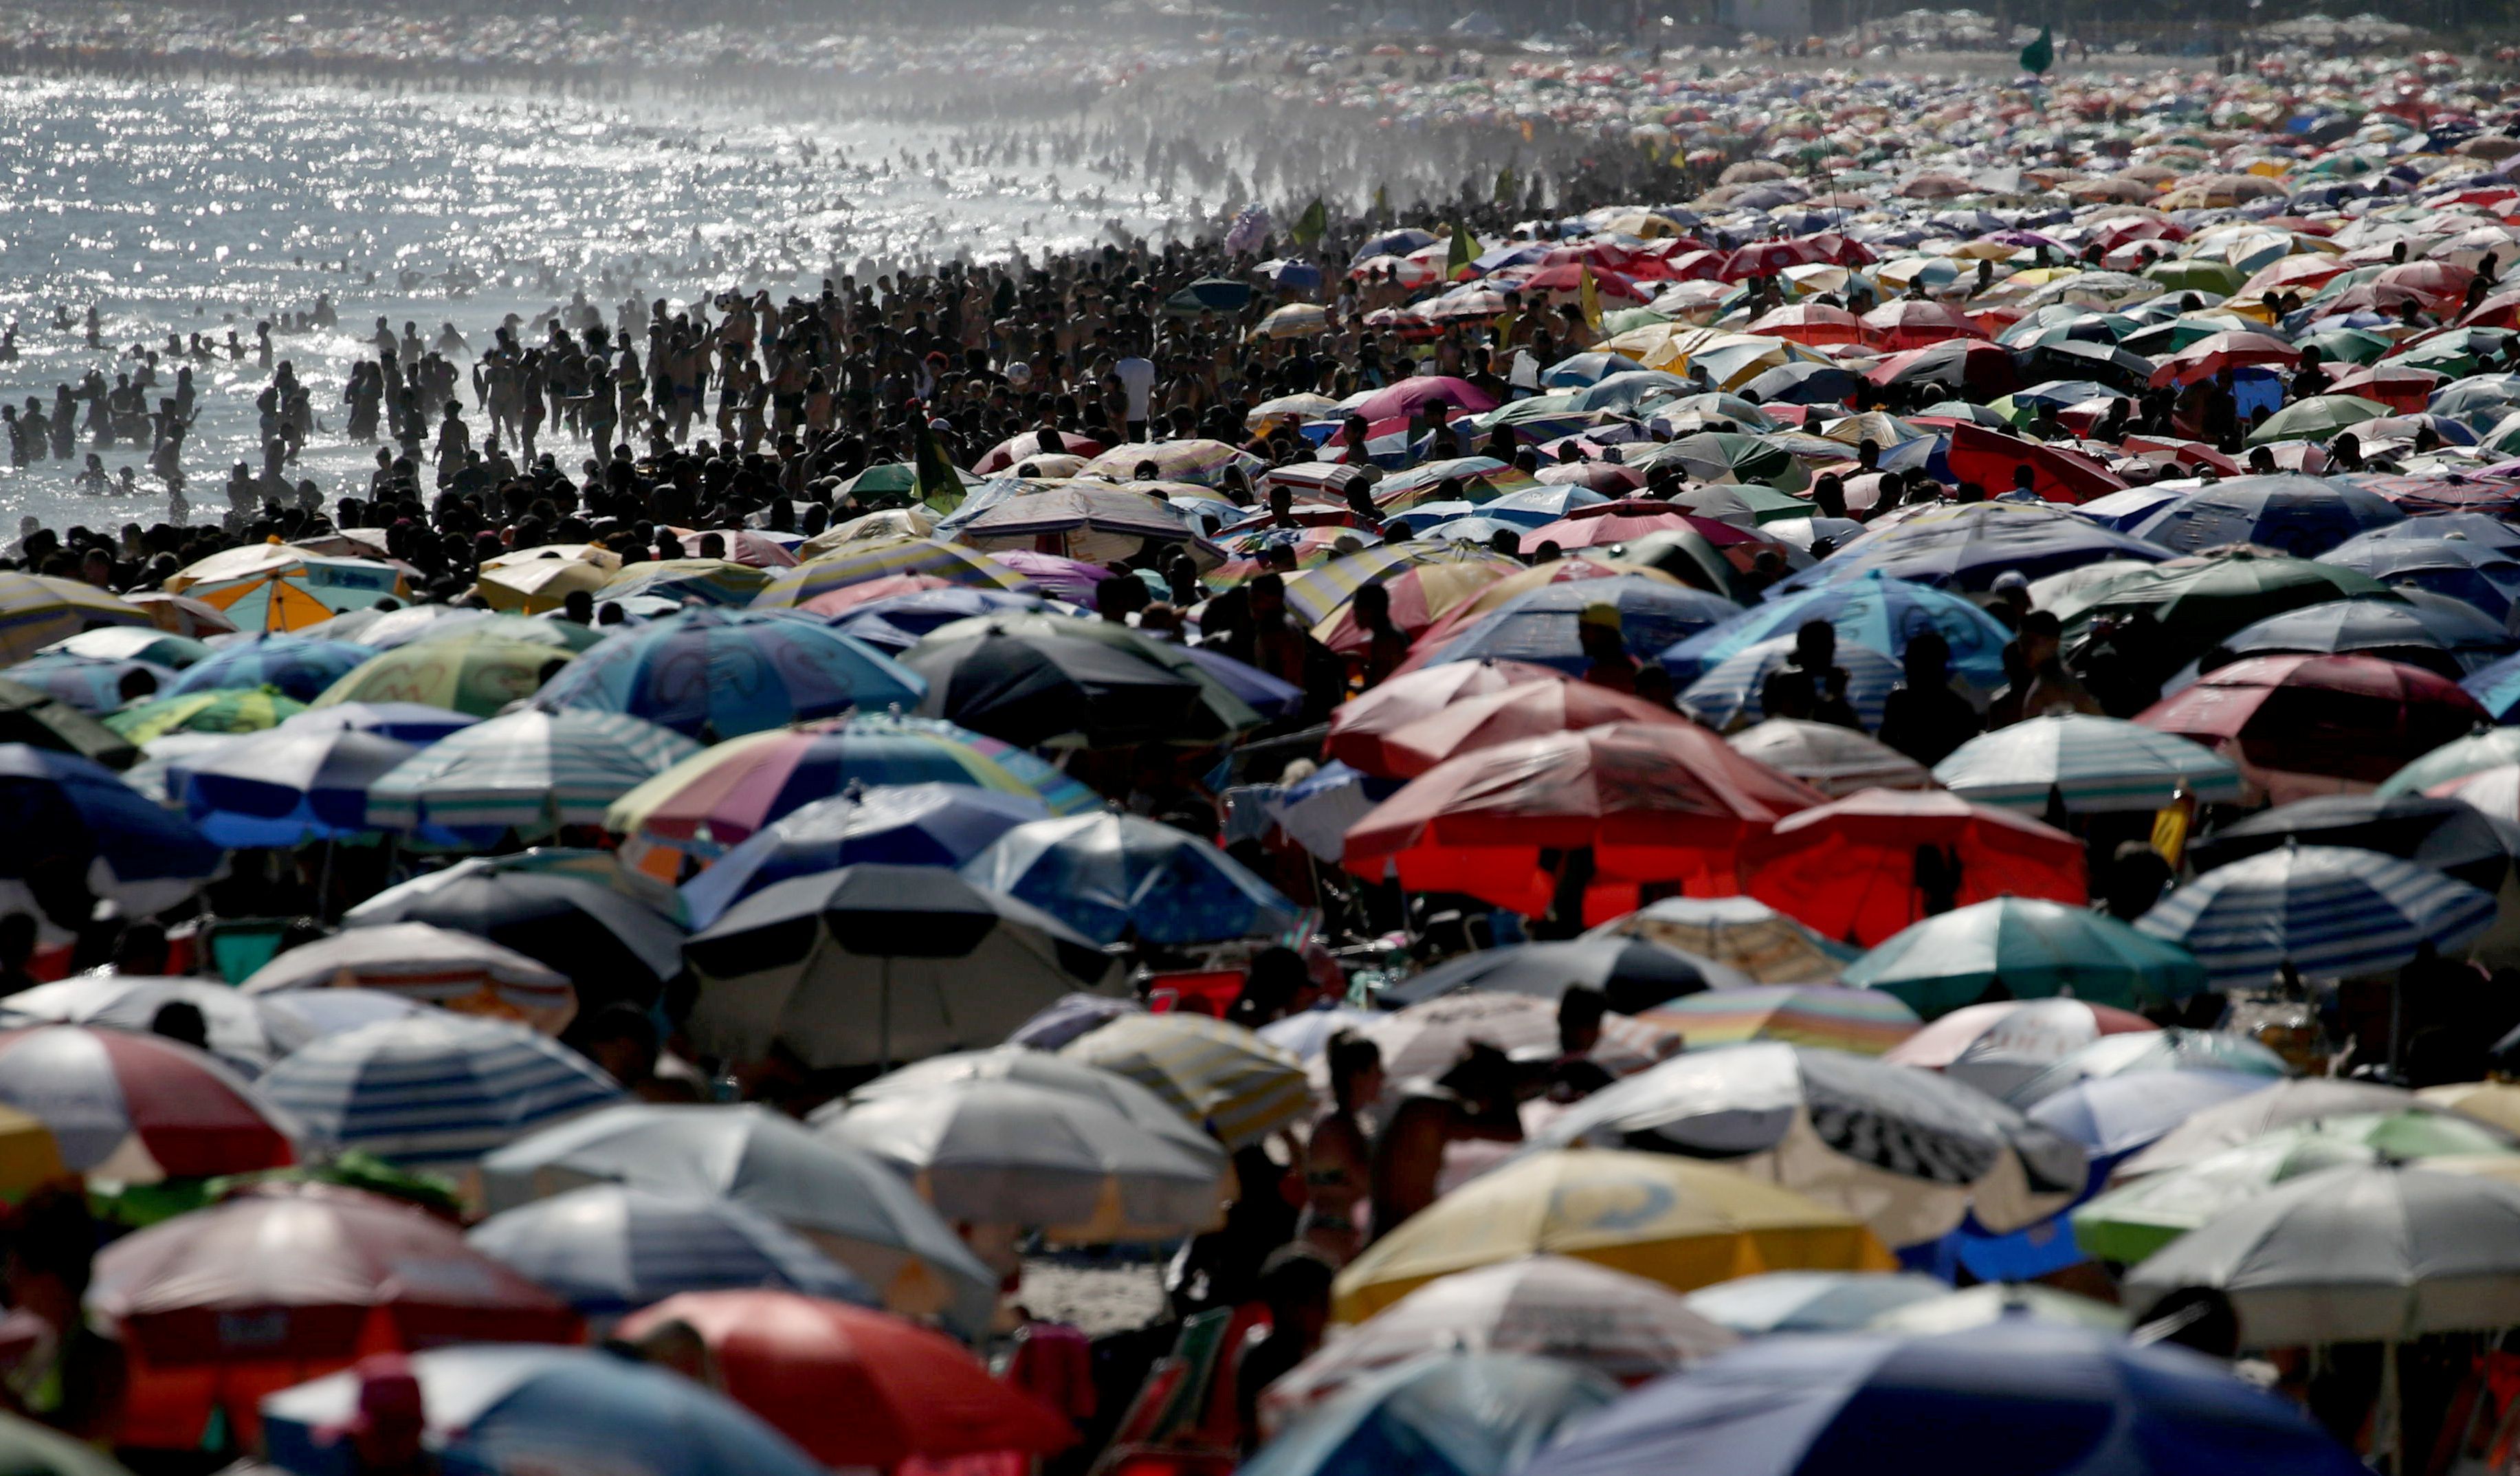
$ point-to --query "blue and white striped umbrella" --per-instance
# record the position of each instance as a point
(721, 673)
(435, 1090)
(1115, 876)
(2095, 764)
(1875, 612)
(904, 825)
(610, 1249)
(2331, 912)
(2301, 516)
(403, 722)
(280, 788)
(296, 666)
(1727, 697)
(531, 772)
(59, 810)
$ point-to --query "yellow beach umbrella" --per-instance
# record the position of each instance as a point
(530, 581)
(1240, 1085)
(36, 610)
(1668, 1219)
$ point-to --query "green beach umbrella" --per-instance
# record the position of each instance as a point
(2317, 418)
(2196, 274)
(2199, 601)
(2033, 950)
(224, 709)
(2349, 345)
(467, 672)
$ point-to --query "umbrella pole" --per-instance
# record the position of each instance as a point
(2387, 1433)
(324, 884)
(883, 1024)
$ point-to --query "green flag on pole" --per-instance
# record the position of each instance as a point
(1309, 226)
(1506, 190)
(934, 482)
(2039, 55)
(1464, 251)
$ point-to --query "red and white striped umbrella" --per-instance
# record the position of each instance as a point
(139, 1108)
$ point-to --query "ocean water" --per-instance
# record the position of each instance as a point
(184, 208)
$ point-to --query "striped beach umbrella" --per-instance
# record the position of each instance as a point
(705, 581)
(717, 797)
(1205, 463)
(245, 1035)
(711, 674)
(2095, 764)
(36, 610)
(898, 824)
(475, 672)
(1241, 1087)
(1801, 1015)
(280, 587)
(858, 563)
(434, 1089)
(287, 788)
(1729, 695)
(66, 816)
(2032, 948)
(610, 1249)
(1875, 612)
(137, 1107)
(233, 710)
(1316, 595)
(531, 772)
(425, 963)
(1123, 876)
(2327, 911)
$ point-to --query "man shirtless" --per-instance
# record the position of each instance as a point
(1475, 1099)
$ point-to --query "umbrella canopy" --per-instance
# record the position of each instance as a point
(609, 943)
(1542, 626)
(71, 817)
(136, 1107)
(479, 672)
(1356, 728)
(512, 1412)
(287, 788)
(529, 772)
(294, 665)
(2143, 1053)
(239, 709)
(2301, 516)
(2355, 719)
(1123, 876)
(1873, 611)
(2440, 832)
(2196, 603)
(1699, 1225)
(2414, 627)
(1852, 1020)
(36, 610)
(2377, 1253)
(426, 965)
(1929, 1151)
(1811, 1301)
(856, 1389)
(2113, 1116)
(2321, 911)
(898, 824)
(280, 587)
(435, 1090)
(1039, 689)
(2093, 764)
(243, 1034)
(710, 674)
(858, 563)
(2018, 1396)
(1000, 1150)
(1863, 868)
(1221, 1076)
(1634, 973)
(1997, 1046)
(2227, 1124)
(1530, 710)
(2473, 754)
(35, 717)
(876, 964)
(1741, 933)
(610, 1249)
(1463, 1414)
(858, 1211)
(282, 1282)
(1624, 1327)
(2025, 948)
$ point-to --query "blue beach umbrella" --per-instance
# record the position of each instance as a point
(2480, 574)
(90, 683)
(280, 789)
(1878, 612)
(1811, 1301)
(435, 1090)
(1114, 877)
(295, 665)
(2113, 1116)
(1450, 1414)
(731, 672)
(901, 825)
(1542, 626)
(71, 817)
(2301, 516)
(519, 1410)
(2330, 911)
(1967, 548)
(1729, 696)
(610, 1249)
(404, 722)
(896, 622)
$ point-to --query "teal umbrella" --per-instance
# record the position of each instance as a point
(2349, 345)
(2490, 748)
(1448, 1415)
(1221, 295)
(2033, 950)
(2317, 418)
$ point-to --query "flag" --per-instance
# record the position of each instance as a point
(2170, 827)
(934, 482)
(1591, 295)
(1310, 226)
(1504, 186)
(1465, 251)
(2039, 55)
(1381, 205)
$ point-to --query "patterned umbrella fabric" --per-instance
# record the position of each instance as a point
(137, 1108)
(36, 610)
(426, 965)
(73, 819)
(244, 1034)
(1239, 1087)
(1739, 932)
(1123, 876)
(528, 772)
(2093, 764)
(294, 665)
(709, 674)
(909, 556)
(904, 825)
(1852, 1020)
(2324, 912)
(610, 1249)
(477, 674)
(287, 788)
(436, 1089)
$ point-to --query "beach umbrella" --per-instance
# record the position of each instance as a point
(2490, 749)
(1836, 761)
(1680, 1224)
(284, 790)
(1654, 801)
(611, 944)
(1858, 868)
(281, 587)
(2196, 603)
(2114, 1116)
(1994, 460)
(245, 1035)
(2317, 418)
(2141, 1053)
(75, 821)
(1811, 1301)
(2413, 627)
(876, 963)
(2301, 516)
(1873, 611)
(36, 610)
(2376, 1253)
(1002, 1151)
(710, 674)
(1420, 595)
(435, 1089)
(855, 1387)
(1420, 1041)
(1035, 1068)
(1929, 1151)
(1114, 877)
(2021, 1396)
(136, 1108)
(689, 581)
(293, 666)
(2135, 1219)
(2321, 911)
(243, 709)
(426, 965)
(1358, 728)
(1542, 626)
(34, 717)
(2092, 764)
(721, 795)
(1980, 1304)
(478, 674)
(610, 1249)
(1967, 548)
(1998, 1044)
(942, 825)
(2346, 718)
(538, 579)
(529, 772)
(1851, 1020)
(1731, 694)
(858, 563)
(2477, 574)
(88, 684)
(1741, 933)
(282, 1282)
(855, 1210)
(1634, 974)
(1241, 1087)
(1460, 1415)
(513, 1411)
(1533, 709)
(1037, 689)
